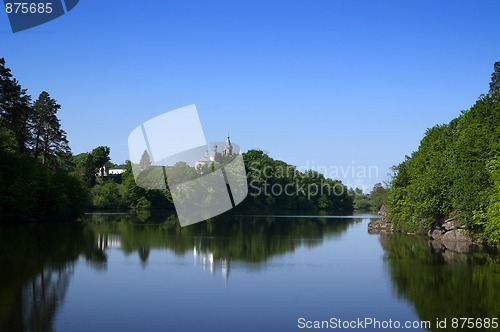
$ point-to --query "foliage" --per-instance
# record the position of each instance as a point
(378, 196)
(107, 196)
(15, 107)
(48, 139)
(495, 82)
(361, 201)
(86, 165)
(128, 194)
(100, 157)
(145, 161)
(34, 185)
(274, 184)
(452, 170)
(492, 212)
(31, 192)
(371, 202)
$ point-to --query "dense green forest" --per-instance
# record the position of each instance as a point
(276, 184)
(455, 168)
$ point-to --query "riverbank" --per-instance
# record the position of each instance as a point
(449, 237)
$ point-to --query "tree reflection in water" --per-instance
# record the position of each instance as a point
(46, 291)
(37, 261)
(214, 243)
(36, 264)
(443, 284)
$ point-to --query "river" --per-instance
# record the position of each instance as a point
(118, 272)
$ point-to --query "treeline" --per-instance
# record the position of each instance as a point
(272, 185)
(35, 158)
(116, 192)
(371, 202)
(456, 168)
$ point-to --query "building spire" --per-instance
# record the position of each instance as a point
(228, 148)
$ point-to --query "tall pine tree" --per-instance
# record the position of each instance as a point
(495, 82)
(48, 139)
(15, 107)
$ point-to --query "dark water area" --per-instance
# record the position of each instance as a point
(238, 273)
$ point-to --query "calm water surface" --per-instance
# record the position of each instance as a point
(235, 273)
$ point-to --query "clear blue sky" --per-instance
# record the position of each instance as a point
(325, 83)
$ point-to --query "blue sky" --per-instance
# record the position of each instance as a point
(338, 84)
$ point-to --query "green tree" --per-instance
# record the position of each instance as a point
(30, 191)
(145, 161)
(49, 140)
(492, 215)
(276, 184)
(453, 169)
(495, 82)
(378, 196)
(134, 196)
(360, 200)
(107, 196)
(100, 156)
(15, 107)
(89, 171)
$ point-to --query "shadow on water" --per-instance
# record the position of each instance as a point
(37, 261)
(443, 285)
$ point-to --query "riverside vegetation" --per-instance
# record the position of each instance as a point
(455, 170)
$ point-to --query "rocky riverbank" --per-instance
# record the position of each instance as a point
(451, 234)
(448, 237)
(381, 225)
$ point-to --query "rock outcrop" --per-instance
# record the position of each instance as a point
(381, 225)
(451, 235)
(449, 238)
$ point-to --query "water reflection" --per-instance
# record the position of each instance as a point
(215, 243)
(37, 265)
(443, 284)
(209, 261)
(45, 291)
(37, 262)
